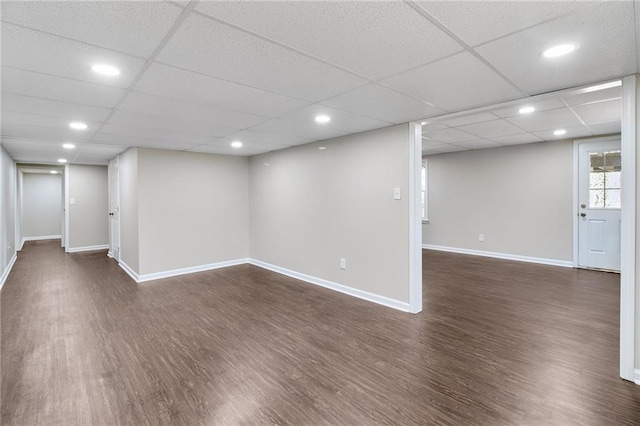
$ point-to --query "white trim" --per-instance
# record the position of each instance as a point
(42, 237)
(506, 256)
(636, 378)
(88, 248)
(7, 271)
(129, 271)
(140, 278)
(361, 294)
(415, 222)
(66, 207)
(628, 228)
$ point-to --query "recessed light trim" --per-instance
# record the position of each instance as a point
(62, 160)
(559, 132)
(236, 144)
(322, 119)
(105, 69)
(53, 172)
(559, 50)
(68, 146)
(322, 148)
(526, 110)
(78, 125)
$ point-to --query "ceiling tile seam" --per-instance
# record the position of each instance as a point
(282, 45)
(163, 42)
(574, 112)
(131, 55)
(64, 77)
(464, 44)
(53, 100)
(396, 74)
(41, 115)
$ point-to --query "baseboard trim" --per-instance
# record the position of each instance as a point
(636, 376)
(88, 248)
(140, 278)
(42, 237)
(7, 271)
(505, 256)
(133, 274)
(360, 294)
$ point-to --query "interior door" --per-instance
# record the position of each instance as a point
(114, 210)
(599, 205)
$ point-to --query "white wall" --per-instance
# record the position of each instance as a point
(519, 197)
(88, 217)
(7, 212)
(309, 208)
(41, 205)
(128, 187)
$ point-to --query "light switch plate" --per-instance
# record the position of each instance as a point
(396, 193)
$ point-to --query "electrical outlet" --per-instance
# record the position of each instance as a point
(343, 263)
(481, 237)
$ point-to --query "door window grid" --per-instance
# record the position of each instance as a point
(604, 180)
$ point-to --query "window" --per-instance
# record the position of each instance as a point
(424, 189)
(604, 180)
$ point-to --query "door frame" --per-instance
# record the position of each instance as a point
(111, 173)
(576, 186)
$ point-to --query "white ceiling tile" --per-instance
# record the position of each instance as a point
(373, 39)
(604, 31)
(572, 132)
(491, 129)
(179, 143)
(187, 111)
(296, 129)
(192, 87)
(430, 127)
(30, 131)
(606, 127)
(383, 104)
(448, 136)
(478, 117)
(148, 136)
(11, 119)
(26, 104)
(169, 125)
(546, 120)
(441, 149)
(455, 83)
(428, 143)
(517, 139)
(126, 26)
(35, 51)
(477, 22)
(598, 95)
(600, 111)
(212, 48)
(28, 83)
(479, 144)
(255, 139)
(340, 120)
(542, 105)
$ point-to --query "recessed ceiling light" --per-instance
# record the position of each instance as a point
(559, 132)
(105, 70)
(322, 148)
(323, 119)
(53, 172)
(526, 110)
(68, 146)
(423, 123)
(78, 125)
(559, 50)
(62, 160)
(236, 144)
(266, 164)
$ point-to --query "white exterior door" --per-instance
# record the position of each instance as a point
(599, 205)
(114, 210)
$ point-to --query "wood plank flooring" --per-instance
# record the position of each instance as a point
(498, 343)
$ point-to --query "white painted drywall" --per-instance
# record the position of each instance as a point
(7, 210)
(88, 216)
(41, 205)
(519, 197)
(193, 209)
(311, 207)
(128, 183)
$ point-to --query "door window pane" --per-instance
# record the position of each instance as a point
(596, 198)
(604, 180)
(612, 199)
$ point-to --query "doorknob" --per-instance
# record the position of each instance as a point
(110, 214)
(583, 215)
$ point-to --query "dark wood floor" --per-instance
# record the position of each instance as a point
(498, 343)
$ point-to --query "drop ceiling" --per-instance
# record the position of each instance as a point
(196, 76)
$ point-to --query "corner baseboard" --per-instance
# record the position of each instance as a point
(42, 237)
(543, 261)
(361, 294)
(6, 272)
(636, 376)
(129, 270)
(88, 248)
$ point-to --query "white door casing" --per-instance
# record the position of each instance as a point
(599, 208)
(114, 210)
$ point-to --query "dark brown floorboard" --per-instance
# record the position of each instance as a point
(498, 343)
